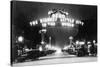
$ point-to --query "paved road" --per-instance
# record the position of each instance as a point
(56, 59)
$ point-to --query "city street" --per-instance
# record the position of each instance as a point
(60, 58)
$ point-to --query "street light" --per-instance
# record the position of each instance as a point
(40, 48)
(77, 42)
(70, 37)
(88, 42)
(94, 41)
(20, 39)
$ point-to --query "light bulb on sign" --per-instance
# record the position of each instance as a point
(31, 23)
(44, 24)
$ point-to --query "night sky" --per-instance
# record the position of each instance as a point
(23, 12)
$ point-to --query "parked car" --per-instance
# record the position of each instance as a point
(34, 54)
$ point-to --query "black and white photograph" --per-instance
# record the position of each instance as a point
(44, 33)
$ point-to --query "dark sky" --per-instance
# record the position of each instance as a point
(24, 12)
(39, 10)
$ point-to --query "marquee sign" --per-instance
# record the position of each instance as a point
(54, 15)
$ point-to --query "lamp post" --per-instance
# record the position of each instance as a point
(70, 38)
(43, 31)
(20, 42)
(49, 40)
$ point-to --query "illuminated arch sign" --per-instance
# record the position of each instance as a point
(53, 16)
